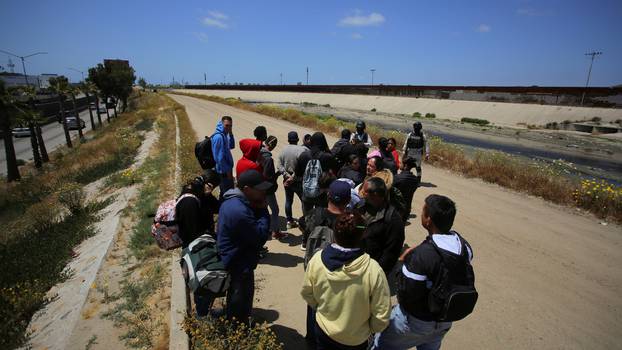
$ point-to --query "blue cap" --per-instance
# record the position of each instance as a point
(339, 192)
(292, 136)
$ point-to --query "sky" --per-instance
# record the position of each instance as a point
(416, 42)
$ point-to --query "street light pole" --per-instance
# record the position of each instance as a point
(589, 72)
(372, 76)
(79, 71)
(23, 64)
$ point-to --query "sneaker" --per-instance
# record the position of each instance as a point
(303, 247)
(278, 235)
(291, 224)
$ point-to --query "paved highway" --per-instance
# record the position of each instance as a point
(52, 134)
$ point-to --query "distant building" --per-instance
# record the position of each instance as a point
(14, 79)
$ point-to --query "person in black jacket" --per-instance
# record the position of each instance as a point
(338, 147)
(407, 183)
(271, 175)
(384, 236)
(351, 170)
(318, 150)
(412, 323)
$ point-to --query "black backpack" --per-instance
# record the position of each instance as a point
(453, 295)
(204, 154)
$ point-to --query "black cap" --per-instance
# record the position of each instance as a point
(252, 178)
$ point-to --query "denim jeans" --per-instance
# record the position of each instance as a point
(225, 185)
(294, 188)
(240, 295)
(405, 332)
(274, 212)
(203, 303)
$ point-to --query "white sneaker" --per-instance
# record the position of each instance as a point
(291, 224)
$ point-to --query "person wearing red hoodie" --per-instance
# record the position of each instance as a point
(250, 153)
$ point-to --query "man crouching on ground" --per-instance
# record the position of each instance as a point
(243, 228)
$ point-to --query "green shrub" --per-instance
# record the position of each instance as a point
(373, 109)
(430, 115)
(475, 121)
(416, 115)
(221, 334)
(72, 196)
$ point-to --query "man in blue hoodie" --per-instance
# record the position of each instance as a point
(222, 144)
(243, 228)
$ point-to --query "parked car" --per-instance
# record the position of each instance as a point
(74, 123)
(21, 132)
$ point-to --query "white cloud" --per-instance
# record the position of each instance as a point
(360, 20)
(218, 15)
(483, 28)
(216, 19)
(202, 37)
(357, 36)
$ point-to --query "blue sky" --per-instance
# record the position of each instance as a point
(407, 42)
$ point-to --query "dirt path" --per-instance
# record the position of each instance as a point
(548, 276)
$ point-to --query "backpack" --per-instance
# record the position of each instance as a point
(202, 267)
(452, 297)
(164, 228)
(320, 237)
(311, 179)
(397, 200)
(203, 152)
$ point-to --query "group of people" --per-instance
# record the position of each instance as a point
(356, 200)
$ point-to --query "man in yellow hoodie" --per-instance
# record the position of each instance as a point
(347, 289)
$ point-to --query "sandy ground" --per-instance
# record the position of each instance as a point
(548, 276)
(499, 113)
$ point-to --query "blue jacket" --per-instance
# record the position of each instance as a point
(242, 231)
(222, 150)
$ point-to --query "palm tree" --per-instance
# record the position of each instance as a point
(86, 89)
(59, 86)
(31, 117)
(30, 91)
(6, 108)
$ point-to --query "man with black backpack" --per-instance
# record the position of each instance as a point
(436, 284)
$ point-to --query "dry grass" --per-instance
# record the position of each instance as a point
(542, 180)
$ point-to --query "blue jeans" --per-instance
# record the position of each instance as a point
(405, 331)
(294, 188)
(225, 185)
(240, 295)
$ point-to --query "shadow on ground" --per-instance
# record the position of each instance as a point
(427, 184)
(290, 337)
(281, 259)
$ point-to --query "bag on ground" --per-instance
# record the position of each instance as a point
(202, 267)
(164, 228)
(453, 295)
(311, 179)
(203, 152)
(320, 237)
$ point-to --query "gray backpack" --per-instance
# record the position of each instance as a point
(320, 237)
(311, 179)
(202, 267)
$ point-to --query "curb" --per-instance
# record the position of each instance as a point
(178, 339)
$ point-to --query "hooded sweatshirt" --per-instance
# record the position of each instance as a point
(349, 292)
(242, 231)
(269, 170)
(250, 153)
(318, 150)
(221, 148)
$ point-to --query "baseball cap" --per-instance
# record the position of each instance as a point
(252, 178)
(339, 192)
(292, 136)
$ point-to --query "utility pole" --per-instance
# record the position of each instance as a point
(307, 75)
(23, 64)
(589, 72)
(372, 76)
(281, 78)
(205, 79)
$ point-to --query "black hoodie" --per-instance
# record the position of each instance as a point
(318, 150)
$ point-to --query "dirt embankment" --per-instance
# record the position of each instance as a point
(548, 276)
